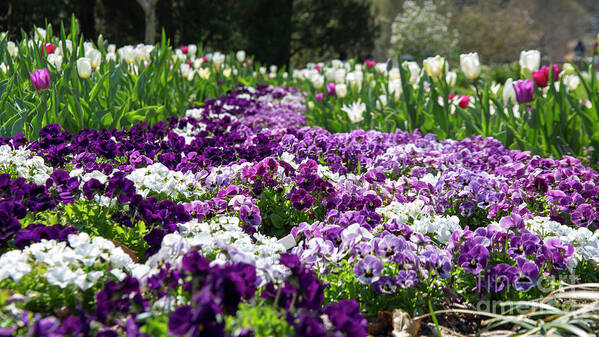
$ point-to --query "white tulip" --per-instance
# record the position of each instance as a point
(110, 56)
(329, 73)
(218, 59)
(227, 72)
(84, 67)
(395, 88)
(340, 76)
(3, 68)
(185, 70)
(87, 47)
(394, 74)
(317, 81)
(39, 34)
(470, 65)
(111, 48)
(381, 102)
(434, 66)
(95, 57)
(341, 90)
(68, 45)
(192, 50)
(530, 59)
(354, 79)
(262, 70)
(273, 69)
(571, 82)
(55, 60)
(355, 111)
(204, 73)
(197, 63)
(495, 87)
(13, 49)
(240, 55)
(509, 94)
(414, 70)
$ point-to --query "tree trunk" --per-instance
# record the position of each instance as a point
(149, 7)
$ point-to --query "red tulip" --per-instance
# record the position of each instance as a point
(464, 100)
(369, 64)
(541, 77)
(50, 48)
(184, 49)
(317, 67)
(451, 96)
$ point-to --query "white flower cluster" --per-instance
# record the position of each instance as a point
(421, 219)
(24, 164)
(158, 178)
(585, 242)
(82, 263)
(225, 238)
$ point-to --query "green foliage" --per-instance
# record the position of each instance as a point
(263, 318)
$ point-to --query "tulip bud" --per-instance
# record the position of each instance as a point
(451, 78)
(84, 67)
(310, 105)
(389, 64)
(240, 56)
(470, 65)
(13, 49)
(509, 95)
(3, 68)
(319, 96)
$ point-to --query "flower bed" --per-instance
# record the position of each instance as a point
(175, 228)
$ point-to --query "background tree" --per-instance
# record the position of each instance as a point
(497, 30)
